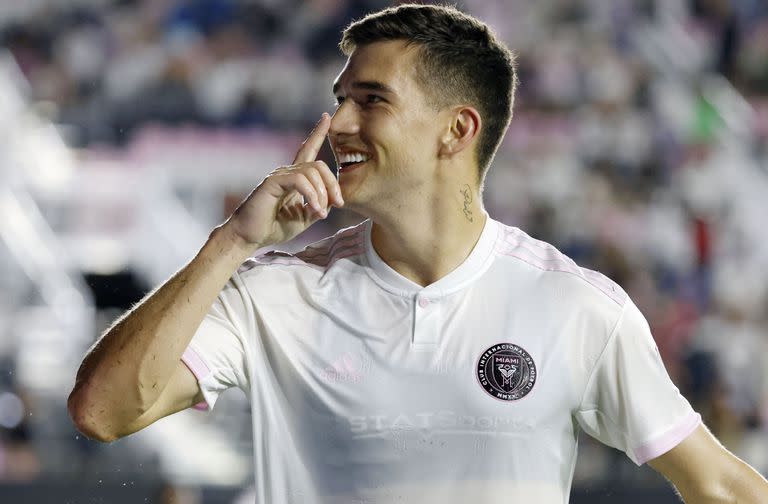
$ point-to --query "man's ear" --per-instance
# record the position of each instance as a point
(463, 128)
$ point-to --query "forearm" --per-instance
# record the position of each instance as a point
(125, 372)
(740, 484)
(744, 485)
(123, 383)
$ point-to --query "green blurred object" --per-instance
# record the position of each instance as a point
(706, 123)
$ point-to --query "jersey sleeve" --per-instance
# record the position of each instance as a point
(630, 402)
(217, 353)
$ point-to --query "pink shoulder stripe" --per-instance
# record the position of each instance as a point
(537, 248)
(604, 283)
(312, 256)
(312, 252)
(347, 242)
(533, 261)
(350, 232)
(546, 257)
(290, 261)
(348, 248)
(667, 441)
(273, 257)
(341, 254)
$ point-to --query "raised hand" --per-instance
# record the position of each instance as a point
(289, 199)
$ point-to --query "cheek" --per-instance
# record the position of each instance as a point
(404, 139)
(419, 141)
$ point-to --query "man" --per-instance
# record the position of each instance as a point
(429, 354)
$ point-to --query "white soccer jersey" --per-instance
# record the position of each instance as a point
(366, 387)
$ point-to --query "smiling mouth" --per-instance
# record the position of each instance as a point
(345, 167)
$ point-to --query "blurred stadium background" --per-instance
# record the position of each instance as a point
(129, 128)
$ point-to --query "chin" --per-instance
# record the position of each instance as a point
(355, 202)
(350, 190)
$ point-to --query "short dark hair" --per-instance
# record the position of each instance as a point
(460, 60)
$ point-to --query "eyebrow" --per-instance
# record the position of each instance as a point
(370, 85)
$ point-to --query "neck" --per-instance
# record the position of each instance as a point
(429, 238)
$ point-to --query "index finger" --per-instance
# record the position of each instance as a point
(313, 143)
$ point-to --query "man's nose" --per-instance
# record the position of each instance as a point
(345, 121)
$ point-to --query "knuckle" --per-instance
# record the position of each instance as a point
(315, 175)
(323, 171)
(308, 186)
(310, 171)
(321, 167)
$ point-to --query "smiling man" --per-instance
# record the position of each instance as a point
(428, 355)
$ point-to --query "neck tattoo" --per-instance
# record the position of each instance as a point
(467, 193)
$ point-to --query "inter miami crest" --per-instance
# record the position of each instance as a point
(506, 371)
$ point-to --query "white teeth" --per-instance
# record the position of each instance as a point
(355, 157)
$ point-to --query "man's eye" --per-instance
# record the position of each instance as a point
(372, 99)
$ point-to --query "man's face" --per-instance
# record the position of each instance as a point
(383, 116)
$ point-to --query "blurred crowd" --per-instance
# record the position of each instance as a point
(619, 151)
(110, 67)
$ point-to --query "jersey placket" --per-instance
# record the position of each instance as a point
(426, 321)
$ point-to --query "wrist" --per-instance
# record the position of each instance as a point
(229, 242)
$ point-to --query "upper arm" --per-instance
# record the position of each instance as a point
(216, 353)
(704, 471)
(630, 402)
(181, 392)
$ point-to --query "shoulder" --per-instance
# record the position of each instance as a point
(551, 265)
(320, 255)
